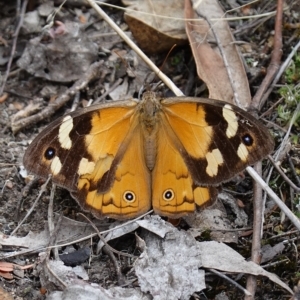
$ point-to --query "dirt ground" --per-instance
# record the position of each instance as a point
(44, 67)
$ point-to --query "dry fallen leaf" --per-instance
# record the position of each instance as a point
(6, 268)
(6, 275)
(216, 222)
(171, 266)
(84, 291)
(221, 257)
(217, 58)
(33, 242)
(269, 252)
(119, 231)
(157, 29)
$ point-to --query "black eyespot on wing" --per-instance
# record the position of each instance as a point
(168, 195)
(129, 196)
(247, 139)
(49, 153)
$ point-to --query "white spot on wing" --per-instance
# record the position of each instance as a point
(243, 152)
(231, 118)
(64, 132)
(214, 160)
(85, 166)
(56, 165)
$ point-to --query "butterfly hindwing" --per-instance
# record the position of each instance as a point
(129, 194)
(174, 192)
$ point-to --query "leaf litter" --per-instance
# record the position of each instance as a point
(173, 263)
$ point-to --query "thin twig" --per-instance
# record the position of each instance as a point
(29, 186)
(293, 169)
(100, 235)
(275, 59)
(276, 199)
(230, 280)
(105, 231)
(258, 214)
(276, 263)
(277, 154)
(280, 71)
(112, 88)
(134, 47)
(61, 282)
(271, 109)
(51, 221)
(54, 234)
(120, 276)
(94, 71)
(42, 190)
(286, 179)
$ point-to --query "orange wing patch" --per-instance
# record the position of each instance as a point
(188, 122)
(130, 193)
(174, 193)
(109, 129)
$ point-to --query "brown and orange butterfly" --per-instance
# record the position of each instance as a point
(120, 159)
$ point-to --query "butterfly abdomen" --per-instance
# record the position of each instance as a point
(150, 149)
(149, 109)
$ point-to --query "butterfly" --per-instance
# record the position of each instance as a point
(119, 159)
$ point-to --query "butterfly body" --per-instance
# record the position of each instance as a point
(119, 159)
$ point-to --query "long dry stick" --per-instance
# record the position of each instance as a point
(275, 58)
(256, 235)
(258, 103)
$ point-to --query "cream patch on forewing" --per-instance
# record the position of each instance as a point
(64, 132)
(85, 166)
(56, 165)
(231, 118)
(214, 160)
(243, 152)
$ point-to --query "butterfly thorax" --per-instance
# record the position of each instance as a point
(149, 121)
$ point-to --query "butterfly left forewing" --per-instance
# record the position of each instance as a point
(72, 144)
(90, 153)
(216, 140)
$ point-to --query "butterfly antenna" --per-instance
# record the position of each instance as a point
(165, 60)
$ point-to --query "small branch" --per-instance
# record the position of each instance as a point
(231, 281)
(287, 180)
(280, 71)
(134, 47)
(275, 59)
(109, 248)
(258, 210)
(293, 170)
(94, 71)
(276, 199)
(42, 190)
(51, 226)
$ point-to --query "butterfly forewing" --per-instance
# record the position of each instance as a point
(216, 140)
